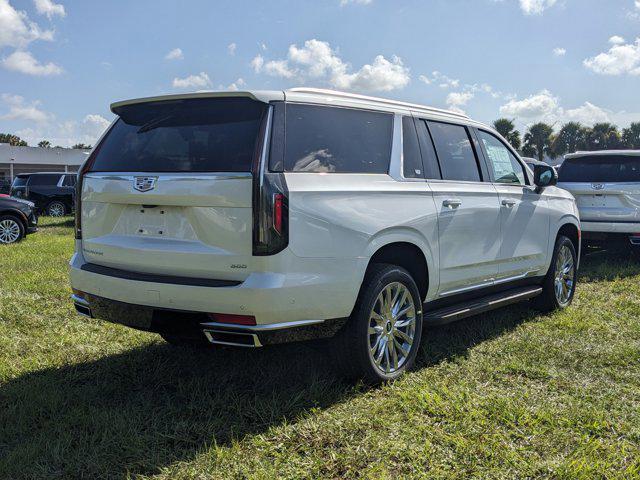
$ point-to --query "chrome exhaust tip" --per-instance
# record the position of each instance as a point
(81, 306)
(234, 339)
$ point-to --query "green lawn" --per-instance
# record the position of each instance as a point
(511, 394)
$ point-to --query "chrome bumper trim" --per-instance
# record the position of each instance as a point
(262, 328)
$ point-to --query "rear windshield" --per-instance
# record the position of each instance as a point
(195, 135)
(19, 181)
(601, 169)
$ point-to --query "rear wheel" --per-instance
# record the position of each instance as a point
(382, 337)
(559, 284)
(11, 229)
(56, 209)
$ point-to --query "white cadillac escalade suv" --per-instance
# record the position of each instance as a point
(263, 217)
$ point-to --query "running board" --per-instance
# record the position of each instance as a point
(480, 305)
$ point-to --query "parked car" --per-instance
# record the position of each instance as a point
(52, 193)
(216, 216)
(606, 185)
(17, 219)
(5, 186)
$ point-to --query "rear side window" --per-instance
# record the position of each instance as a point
(411, 160)
(337, 140)
(455, 153)
(44, 180)
(193, 135)
(69, 181)
(601, 169)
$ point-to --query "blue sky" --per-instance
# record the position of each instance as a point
(62, 62)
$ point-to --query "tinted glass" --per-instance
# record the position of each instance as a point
(601, 169)
(337, 140)
(49, 180)
(20, 181)
(505, 166)
(455, 153)
(411, 160)
(429, 158)
(195, 135)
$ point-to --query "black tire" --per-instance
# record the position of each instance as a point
(351, 348)
(55, 207)
(548, 300)
(8, 224)
(186, 340)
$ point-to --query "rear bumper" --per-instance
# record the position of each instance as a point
(610, 227)
(311, 291)
(174, 322)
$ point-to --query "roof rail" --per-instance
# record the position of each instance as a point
(338, 94)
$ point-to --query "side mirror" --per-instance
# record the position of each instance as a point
(544, 176)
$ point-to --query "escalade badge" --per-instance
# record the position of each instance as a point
(597, 186)
(144, 184)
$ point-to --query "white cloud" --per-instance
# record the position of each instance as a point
(21, 110)
(200, 80)
(231, 48)
(24, 62)
(559, 52)
(539, 106)
(16, 30)
(49, 8)
(355, 2)
(459, 99)
(440, 79)
(536, 7)
(619, 60)
(235, 86)
(175, 54)
(617, 39)
(317, 61)
(588, 114)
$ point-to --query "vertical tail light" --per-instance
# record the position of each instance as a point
(270, 195)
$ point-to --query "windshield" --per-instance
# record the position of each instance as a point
(20, 181)
(194, 135)
(601, 169)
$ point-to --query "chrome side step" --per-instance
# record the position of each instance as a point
(480, 305)
(235, 339)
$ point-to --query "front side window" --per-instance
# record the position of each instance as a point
(69, 181)
(504, 165)
(324, 139)
(455, 153)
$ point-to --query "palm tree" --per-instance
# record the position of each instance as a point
(507, 129)
(631, 136)
(12, 140)
(82, 146)
(538, 141)
(44, 144)
(603, 136)
(571, 138)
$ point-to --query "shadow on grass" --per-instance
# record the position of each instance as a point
(55, 222)
(609, 264)
(139, 411)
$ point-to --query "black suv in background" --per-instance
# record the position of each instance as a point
(17, 219)
(52, 193)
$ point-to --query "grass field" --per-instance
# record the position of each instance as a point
(511, 394)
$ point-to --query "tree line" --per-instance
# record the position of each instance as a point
(16, 141)
(540, 140)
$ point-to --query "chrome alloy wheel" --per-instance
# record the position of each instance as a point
(392, 328)
(9, 231)
(56, 209)
(565, 273)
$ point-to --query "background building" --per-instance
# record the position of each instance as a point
(15, 160)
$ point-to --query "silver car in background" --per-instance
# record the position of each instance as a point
(606, 185)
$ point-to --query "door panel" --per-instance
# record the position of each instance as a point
(469, 233)
(524, 221)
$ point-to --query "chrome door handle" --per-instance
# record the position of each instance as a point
(508, 203)
(452, 203)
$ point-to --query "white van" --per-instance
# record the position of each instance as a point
(256, 218)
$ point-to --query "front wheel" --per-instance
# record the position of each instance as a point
(559, 284)
(11, 229)
(382, 337)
